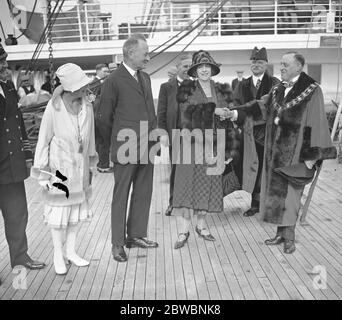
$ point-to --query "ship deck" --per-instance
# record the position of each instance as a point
(236, 266)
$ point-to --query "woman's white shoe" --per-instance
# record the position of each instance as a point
(58, 259)
(60, 267)
(77, 260)
(70, 248)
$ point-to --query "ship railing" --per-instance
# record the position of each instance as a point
(113, 21)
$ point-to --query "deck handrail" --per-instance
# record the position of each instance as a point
(88, 21)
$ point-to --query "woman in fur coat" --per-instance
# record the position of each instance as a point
(64, 155)
(202, 106)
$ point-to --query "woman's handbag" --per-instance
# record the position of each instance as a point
(230, 181)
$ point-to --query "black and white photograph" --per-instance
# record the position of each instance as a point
(170, 155)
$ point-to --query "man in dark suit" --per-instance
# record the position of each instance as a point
(168, 113)
(126, 103)
(102, 147)
(254, 87)
(237, 80)
(15, 163)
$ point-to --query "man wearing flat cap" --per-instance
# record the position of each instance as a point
(254, 87)
(15, 161)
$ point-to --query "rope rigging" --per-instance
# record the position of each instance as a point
(206, 21)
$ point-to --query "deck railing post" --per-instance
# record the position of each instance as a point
(171, 17)
(275, 16)
(79, 22)
(219, 22)
(86, 20)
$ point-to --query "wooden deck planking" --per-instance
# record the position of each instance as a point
(236, 266)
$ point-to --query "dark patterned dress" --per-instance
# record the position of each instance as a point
(194, 189)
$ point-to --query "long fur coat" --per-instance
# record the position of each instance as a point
(197, 113)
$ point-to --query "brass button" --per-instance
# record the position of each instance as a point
(7, 130)
(9, 141)
(4, 119)
(19, 127)
(21, 138)
(22, 149)
(11, 153)
(16, 116)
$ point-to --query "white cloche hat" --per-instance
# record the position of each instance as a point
(72, 77)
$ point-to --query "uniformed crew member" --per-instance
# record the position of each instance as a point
(15, 162)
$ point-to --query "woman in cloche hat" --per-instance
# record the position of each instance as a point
(203, 103)
(64, 156)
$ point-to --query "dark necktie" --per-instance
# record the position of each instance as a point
(257, 86)
(140, 82)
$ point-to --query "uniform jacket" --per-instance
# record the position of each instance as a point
(124, 103)
(14, 145)
(253, 128)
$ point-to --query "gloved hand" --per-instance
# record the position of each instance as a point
(45, 184)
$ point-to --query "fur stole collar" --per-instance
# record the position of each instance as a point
(188, 87)
(303, 82)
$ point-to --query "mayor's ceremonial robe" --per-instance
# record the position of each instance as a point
(296, 131)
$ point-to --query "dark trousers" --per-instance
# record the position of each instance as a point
(287, 232)
(14, 211)
(172, 177)
(141, 176)
(102, 148)
(257, 187)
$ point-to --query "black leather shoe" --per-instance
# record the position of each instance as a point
(289, 246)
(119, 253)
(168, 211)
(208, 237)
(181, 243)
(274, 241)
(34, 265)
(141, 243)
(251, 212)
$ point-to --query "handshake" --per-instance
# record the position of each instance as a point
(226, 113)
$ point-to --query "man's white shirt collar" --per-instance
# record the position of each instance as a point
(179, 79)
(294, 80)
(255, 79)
(129, 69)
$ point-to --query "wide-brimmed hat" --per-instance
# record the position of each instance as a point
(203, 57)
(3, 53)
(259, 54)
(72, 77)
